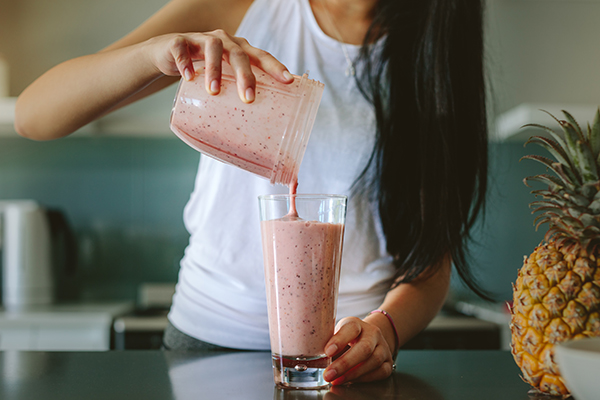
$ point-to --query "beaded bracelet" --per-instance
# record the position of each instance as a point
(389, 317)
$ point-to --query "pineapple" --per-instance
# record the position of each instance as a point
(557, 292)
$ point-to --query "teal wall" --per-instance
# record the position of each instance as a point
(125, 198)
(507, 233)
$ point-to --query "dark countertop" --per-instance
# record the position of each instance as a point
(154, 374)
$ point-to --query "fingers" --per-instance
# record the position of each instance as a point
(373, 372)
(368, 358)
(181, 51)
(213, 47)
(265, 61)
(244, 77)
(213, 55)
(241, 55)
(347, 331)
(361, 363)
(217, 45)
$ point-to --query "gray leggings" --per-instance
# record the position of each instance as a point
(174, 339)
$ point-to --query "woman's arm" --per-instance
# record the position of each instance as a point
(150, 58)
(372, 340)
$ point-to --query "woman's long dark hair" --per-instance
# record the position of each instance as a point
(428, 169)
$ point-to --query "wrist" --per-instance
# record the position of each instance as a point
(386, 324)
(148, 51)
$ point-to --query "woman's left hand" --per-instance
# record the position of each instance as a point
(367, 355)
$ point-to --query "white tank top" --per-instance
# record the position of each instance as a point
(220, 296)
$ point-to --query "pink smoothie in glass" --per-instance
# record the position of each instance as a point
(305, 256)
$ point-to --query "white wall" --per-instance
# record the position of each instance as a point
(538, 50)
(37, 34)
(544, 51)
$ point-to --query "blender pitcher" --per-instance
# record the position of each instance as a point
(267, 137)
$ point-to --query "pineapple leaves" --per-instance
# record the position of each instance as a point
(571, 200)
(577, 156)
(594, 135)
(542, 203)
(588, 220)
(562, 199)
(590, 190)
(562, 234)
(543, 221)
(587, 162)
(553, 148)
(571, 138)
(569, 222)
(560, 221)
(555, 135)
(552, 181)
(595, 207)
(574, 124)
(558, 168)
(593, 231)
(595, 204)
(554, 196)
(577, 199)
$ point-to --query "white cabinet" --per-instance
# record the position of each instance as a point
(77, 327)
(18, 338)
(75, 338)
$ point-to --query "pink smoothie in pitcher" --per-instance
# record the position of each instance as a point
(267, 137)
(303, 295)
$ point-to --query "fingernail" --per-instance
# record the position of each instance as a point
(287, 75)
(214, 86)
(331, 350)
(330, 375)
(187, 74)
(249, 94)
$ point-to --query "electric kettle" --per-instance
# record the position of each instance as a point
(30, 238)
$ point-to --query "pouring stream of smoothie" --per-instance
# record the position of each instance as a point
(293, 213)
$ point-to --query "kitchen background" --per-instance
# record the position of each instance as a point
(124, 181)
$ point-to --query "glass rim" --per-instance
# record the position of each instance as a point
(309, 196)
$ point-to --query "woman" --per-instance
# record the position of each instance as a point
(401, 129)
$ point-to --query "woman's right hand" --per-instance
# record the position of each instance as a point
(173, 54)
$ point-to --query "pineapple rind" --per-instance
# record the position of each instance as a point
(556, 297)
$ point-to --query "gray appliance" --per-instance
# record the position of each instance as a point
(35, 242)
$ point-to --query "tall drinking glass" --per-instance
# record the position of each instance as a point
(302, 255)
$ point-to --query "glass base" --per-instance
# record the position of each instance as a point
(292, 372)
